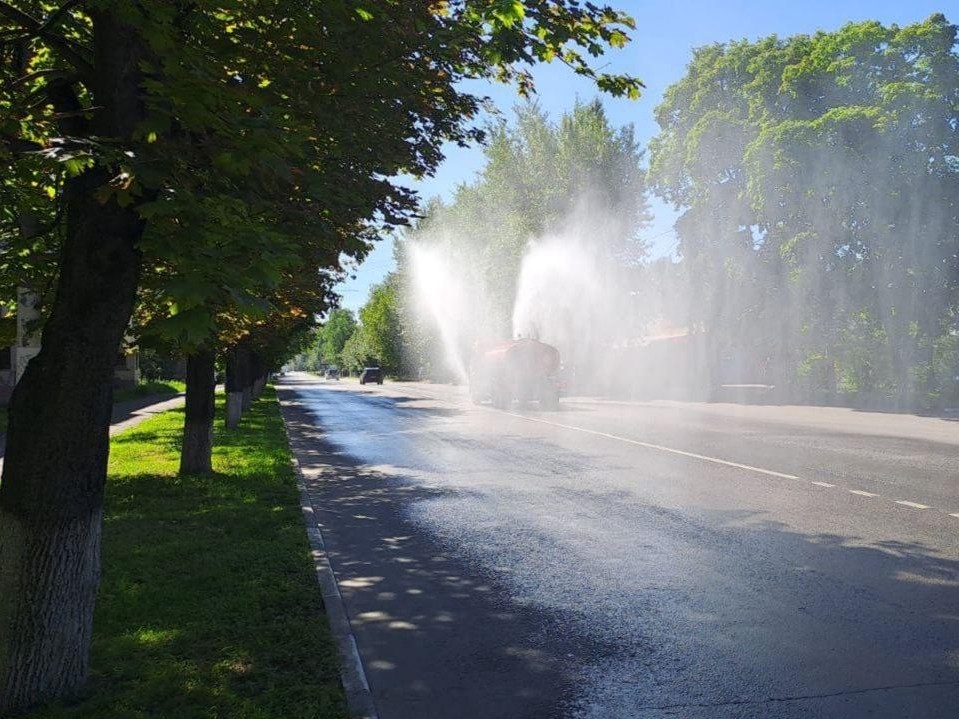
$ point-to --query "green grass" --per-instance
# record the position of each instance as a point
(209, 606)
(148, 388)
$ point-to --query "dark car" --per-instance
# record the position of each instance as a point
(371, 374)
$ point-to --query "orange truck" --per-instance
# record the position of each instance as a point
(524, 370)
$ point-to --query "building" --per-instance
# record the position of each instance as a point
(14, 359)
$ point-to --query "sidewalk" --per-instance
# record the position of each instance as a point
(128, 414)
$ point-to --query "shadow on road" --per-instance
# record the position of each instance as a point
(738, 615)
(438, 637)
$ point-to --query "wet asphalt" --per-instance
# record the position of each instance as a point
(618, 559)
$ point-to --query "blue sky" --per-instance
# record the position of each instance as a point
(666, 32)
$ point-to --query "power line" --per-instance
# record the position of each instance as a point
(671, 230)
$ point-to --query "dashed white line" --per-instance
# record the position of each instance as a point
(693, 455)
(914, 505)
(661, 448)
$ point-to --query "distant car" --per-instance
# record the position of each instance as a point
(371, 374)
(332, 373)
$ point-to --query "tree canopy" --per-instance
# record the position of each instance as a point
(209, 164)
(381, 325)
(268, 133)
(577, 178)
(334, 333)
(819, 185)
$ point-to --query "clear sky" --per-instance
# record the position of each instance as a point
(666, 32)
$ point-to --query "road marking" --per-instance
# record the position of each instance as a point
(693, 455)
(661, 448)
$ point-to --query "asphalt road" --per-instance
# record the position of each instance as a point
(618, 559)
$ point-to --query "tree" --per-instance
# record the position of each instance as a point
(127, 101)
(819, 202)
(381, 326)
(51, 495)
(356, 351)
(333, 335)
(577, 182)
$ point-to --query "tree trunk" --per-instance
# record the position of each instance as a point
(234, 395)
(259, 378)
(196, 455)
(898, 338)
(246, 377)
(932, 377)
(51, 496)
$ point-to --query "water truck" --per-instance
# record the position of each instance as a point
(525, 370)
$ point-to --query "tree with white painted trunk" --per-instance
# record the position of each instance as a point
(196, 455)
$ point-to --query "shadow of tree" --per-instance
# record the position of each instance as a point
(410, 598)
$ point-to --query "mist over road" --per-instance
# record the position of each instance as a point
(619, 559)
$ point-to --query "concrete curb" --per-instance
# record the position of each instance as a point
(359, 699)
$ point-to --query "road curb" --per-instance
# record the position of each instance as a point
(359, 699)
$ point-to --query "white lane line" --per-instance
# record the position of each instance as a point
(705, 458)
(661, 448)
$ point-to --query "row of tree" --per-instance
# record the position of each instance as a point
(540, 177)
(817, 181)
(344, 343)
(193, 173)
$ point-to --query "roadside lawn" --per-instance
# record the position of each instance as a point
(209, 606)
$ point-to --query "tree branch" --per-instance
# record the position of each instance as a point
(50, 72)
(17, 145)
(54, 18)
(42, 30)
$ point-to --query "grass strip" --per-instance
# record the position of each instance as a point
(209, 606)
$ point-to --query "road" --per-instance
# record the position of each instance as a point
(621, 559)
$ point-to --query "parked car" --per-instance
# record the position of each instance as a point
(371, 374)
(331, 373)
